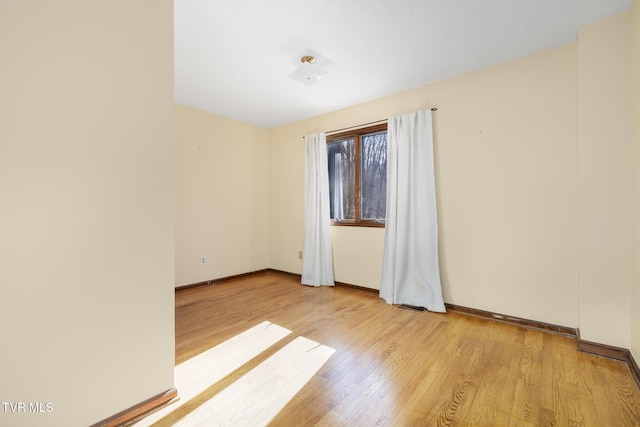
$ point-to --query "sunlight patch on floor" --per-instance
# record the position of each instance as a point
(258, 396)
(195, 375)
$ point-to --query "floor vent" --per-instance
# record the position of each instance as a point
(412, 307)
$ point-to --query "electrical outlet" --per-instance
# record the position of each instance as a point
(299, 254)
(203, 260)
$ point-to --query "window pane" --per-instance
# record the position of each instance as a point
(373, 204)
(342, 178)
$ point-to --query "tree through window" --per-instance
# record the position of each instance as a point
(358, 176)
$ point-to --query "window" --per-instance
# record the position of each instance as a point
(358, 176)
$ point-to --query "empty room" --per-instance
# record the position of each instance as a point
(414, 212)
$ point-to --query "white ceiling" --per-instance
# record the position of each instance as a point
(232, 58)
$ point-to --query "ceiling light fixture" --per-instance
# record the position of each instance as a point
(308, 59)
(308, 72)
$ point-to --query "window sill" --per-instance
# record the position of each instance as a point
(347, 223)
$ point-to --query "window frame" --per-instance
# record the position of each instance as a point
(357, 135)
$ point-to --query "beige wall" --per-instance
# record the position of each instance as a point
(87, 194)
(635, 301)
(605, 181)
(222, 196)
(505, 146)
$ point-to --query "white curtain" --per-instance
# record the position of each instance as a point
(410, 269)
(317, 263)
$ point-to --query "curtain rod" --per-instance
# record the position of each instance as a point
(364, 125)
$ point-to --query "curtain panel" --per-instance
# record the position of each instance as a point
(410, 268)
(317, 262)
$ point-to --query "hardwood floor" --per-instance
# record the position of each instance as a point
(399, 367)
